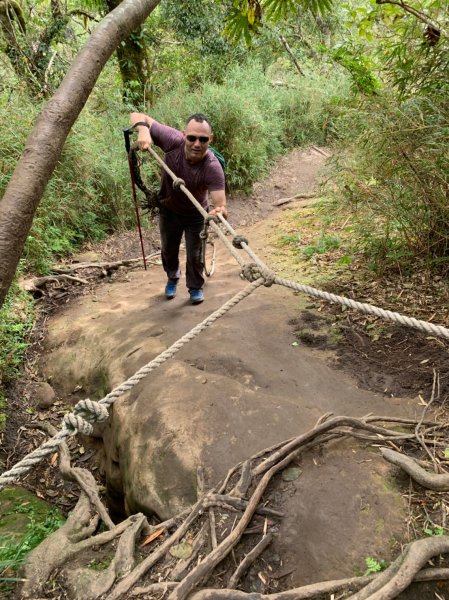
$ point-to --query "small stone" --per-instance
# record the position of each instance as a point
(41, 394)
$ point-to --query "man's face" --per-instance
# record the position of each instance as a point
(197, 137)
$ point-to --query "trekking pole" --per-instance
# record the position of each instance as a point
(127, 134)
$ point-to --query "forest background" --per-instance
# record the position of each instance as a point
(364, 77)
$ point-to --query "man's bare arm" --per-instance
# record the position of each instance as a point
(218, 199)
(143, 132)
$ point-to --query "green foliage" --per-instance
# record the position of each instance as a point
(323, 244)
(310, 111)
(358, 65)
(394, 169)
(245, 17)
(3, 415)
(16, 321)
(13, 553)
(242, 21)
(374, 566)
(397, 176)
(197, 22)
(89, 194)
(434, 530)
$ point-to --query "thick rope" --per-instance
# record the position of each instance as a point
(87, 411)
(159, 360)
(388, 315)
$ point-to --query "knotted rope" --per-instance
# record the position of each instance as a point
(369, 309)
(253, 272)
(87, 412)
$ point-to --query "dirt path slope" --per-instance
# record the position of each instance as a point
(340, 511)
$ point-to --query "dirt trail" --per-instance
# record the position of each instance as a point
(340, 510)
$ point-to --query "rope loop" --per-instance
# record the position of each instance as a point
(75, 423)
(178, 182)
(84, 413)
(238, 240)
(252, 272)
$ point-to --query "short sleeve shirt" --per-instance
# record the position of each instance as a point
(200, 178)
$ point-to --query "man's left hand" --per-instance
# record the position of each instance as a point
(219, 209)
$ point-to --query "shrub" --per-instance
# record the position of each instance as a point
(397, 176)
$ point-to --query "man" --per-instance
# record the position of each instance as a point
(188, 156)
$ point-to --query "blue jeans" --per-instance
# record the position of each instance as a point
(172, 226)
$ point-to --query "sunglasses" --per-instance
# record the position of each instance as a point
(202, 138)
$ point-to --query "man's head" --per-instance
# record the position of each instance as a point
(197, 135)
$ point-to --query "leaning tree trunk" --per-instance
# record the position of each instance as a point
(45, 143)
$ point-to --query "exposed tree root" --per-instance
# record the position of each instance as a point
(85, 587)
(78, 532)
(307, 592)
(431, 481)
(249, 559)
(241, 495)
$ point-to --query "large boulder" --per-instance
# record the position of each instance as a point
(184, 419)
(240, 386)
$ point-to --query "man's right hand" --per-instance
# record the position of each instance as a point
(144, 140)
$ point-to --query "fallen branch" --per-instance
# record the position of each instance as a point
(103, 266)
(321, 151)
(249, 559)
(37, 283)
(298, 196)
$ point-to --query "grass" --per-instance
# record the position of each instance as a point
(14, 552)
(16, 322)
(311, 243)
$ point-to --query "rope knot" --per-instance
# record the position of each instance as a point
(178, 182)
(84, 413)
(252, 272)
(238, 240)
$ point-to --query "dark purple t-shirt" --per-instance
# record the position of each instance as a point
(200, 178)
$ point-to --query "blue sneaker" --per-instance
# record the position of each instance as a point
(196, 296)
(170, 289)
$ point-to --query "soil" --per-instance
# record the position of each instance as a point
(403, 370)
